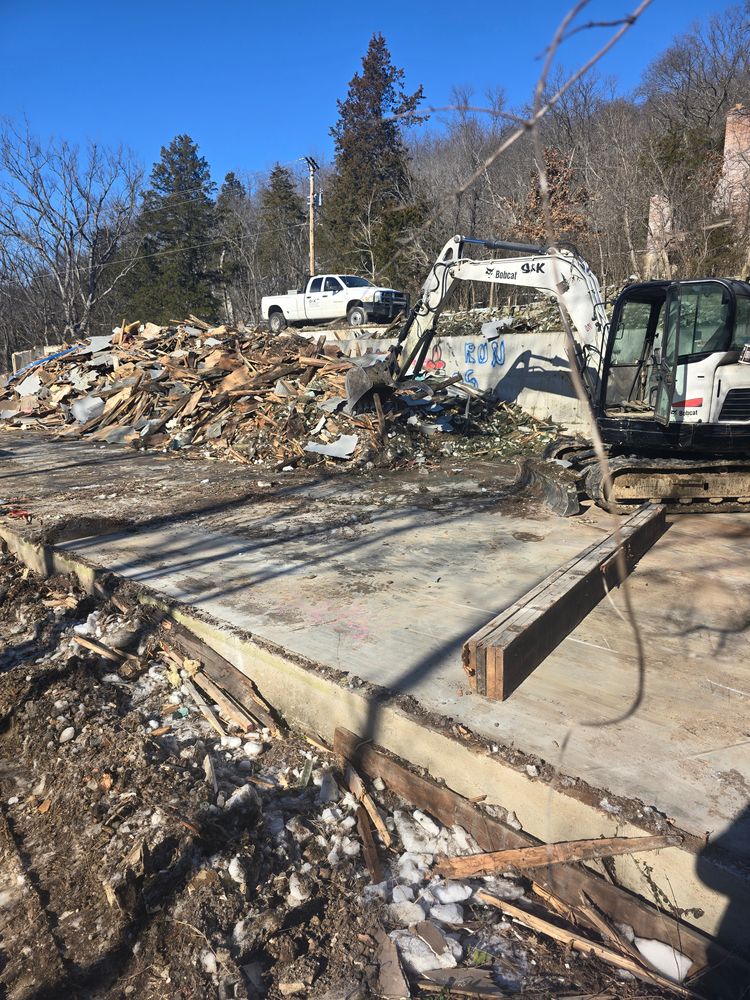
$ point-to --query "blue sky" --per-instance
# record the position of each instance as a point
(255, 83)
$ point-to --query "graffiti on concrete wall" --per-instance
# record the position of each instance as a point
(482, 354)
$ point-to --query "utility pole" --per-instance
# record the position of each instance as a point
(312, 166)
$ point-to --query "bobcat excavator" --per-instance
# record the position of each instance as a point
(668, 380)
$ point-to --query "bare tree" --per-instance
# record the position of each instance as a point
(67, 214)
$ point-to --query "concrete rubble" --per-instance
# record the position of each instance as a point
(164, 832)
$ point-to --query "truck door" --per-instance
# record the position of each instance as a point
(666, 368)
(312, 298)
(327, 305)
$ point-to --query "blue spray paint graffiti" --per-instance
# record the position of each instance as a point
(492, 351)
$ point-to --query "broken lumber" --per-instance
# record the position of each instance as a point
(583, 944)
(461, 983)
(207, 711)
(237, 685)
(98, 647)
(357, 788)
(564, 881)
(368, 846)
(501, 655)
(551, 854)
(231, 711)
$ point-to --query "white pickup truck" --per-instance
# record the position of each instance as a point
(334, 296)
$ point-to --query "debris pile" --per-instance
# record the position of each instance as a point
(164, 827)
(253, 397)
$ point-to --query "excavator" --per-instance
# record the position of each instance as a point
(667, 380)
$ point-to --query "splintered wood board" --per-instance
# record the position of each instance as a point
(502, 654)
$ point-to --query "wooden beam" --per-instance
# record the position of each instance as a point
(564, 881)
(523, 858)
(502, 654)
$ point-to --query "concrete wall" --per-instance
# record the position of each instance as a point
(530, 369)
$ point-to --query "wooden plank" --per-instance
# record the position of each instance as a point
(207, 711)
(564, 881)
(501, 655)
(523, 858)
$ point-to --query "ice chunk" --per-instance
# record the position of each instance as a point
(236, 871)
(428, 825)
(448, 913)
(414, 838)
(505, 888)
(664, 957)
(452, 892)
(403, 894)
(406, 913)
(463, 843)
(298, 891)
(377, 891)
(350, 847)
(208, 961)
(418, 957)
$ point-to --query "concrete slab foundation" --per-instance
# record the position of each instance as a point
(347, 601)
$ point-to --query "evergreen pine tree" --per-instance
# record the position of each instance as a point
(368, 208)
(178, 227)
(231, 216)
(282, 241)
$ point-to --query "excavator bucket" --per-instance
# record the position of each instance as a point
(363, 381)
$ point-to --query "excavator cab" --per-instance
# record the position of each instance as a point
(660, 334)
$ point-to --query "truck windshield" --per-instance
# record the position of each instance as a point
(352, 281)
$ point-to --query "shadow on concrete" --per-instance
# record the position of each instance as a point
(716, 868)
(527, 375)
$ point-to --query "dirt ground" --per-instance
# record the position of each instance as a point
(145, 856)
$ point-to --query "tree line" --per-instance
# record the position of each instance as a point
(87, 239)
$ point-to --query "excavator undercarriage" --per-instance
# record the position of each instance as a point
(685, 485)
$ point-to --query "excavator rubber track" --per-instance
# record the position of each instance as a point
(687, 485)
(682, 485)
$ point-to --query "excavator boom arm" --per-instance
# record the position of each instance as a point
(557, 272)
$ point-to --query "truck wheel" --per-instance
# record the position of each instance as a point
(356, 316)
(277, 322)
